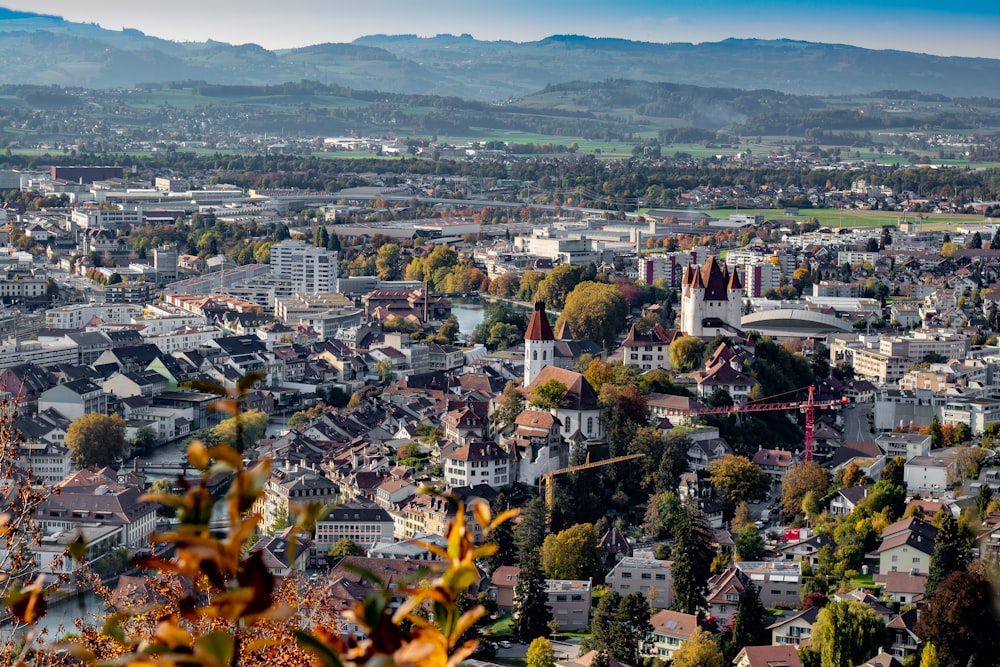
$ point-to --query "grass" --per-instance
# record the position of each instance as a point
(863, 581)
(852, 218)
(502, 626)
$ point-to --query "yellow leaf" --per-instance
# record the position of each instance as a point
(198, 455)
(482, 513)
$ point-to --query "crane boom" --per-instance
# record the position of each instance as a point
(547, 478)
(809, 406)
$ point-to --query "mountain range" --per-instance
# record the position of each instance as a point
(48, 50)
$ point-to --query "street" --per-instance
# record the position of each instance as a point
(856, 424)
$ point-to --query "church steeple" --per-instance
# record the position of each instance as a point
(539, 344)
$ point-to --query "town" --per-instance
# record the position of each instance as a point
(714, 427)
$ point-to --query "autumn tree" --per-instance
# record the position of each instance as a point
(800, 479)
(595, 311)
(847, 633)
(686, 353)
(389, 262)
(573, 554)
(700, 650)
(96, 439)
(509, 405)
(738, 480)
(243, 433)
(556, 286)
(692, 554)
(741, 517)
(506, 285)
(540, 653)
(961, 622)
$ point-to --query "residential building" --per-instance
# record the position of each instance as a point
(648, 350)
(774, 463)
(477, 462)
(907, 546)
(670, 630)
(794, 630)
(780, 582)
(289, 484)
(648, 576)
(767, 656)
(74, 399)
(308, 269)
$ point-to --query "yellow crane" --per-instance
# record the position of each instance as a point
(546, 480)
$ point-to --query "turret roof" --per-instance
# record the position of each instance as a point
(539, 328)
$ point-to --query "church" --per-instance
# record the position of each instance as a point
(711, 300)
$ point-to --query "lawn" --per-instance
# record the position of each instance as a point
(851, 218)
(863, 581)
(501, 628)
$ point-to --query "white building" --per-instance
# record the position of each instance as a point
(310, 270)
(711, 300)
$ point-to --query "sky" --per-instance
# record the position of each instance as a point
(961, 27)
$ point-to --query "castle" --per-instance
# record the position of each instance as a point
(711, 299)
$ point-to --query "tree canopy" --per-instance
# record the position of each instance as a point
(96, 440)
(595, 311)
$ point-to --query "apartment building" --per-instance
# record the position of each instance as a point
(648, 576)
(309, 270)
(780, 582)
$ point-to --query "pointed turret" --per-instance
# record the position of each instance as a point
(734, 280)
(539, 327)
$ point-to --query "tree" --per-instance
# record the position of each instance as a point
(389, 262)
(144, 441)
(928, 657)
(934, 430)
(540, 653)
(556, 286)
(509, 405)
(749, 628)
(738, 480)
(692, 553)
(800, 479)
(741, 517)
(985, 495)
(503, 537)
(661, 510)
(893, 470)
(531, 614)
(343, 548)
(949, 555)
(847, 633)
(505, 286)
(686, 353)
(321, 238)
(595, 311)
(244, 432)
(572, 554)
(533, 527)
(749, 544)
(449, 328)
(96, 440)
(548, 395)
(961, 622)
(621, 626)
(166, 486)
(698, 651)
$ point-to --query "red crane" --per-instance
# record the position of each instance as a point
(809, 406)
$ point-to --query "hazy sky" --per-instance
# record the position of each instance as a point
(960, 27)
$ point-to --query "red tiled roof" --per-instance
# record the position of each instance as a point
(539, 327)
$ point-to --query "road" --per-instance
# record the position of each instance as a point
(856, 424)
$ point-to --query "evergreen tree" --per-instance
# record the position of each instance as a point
(983, 499)
(621, 626)
(321, 238)
(503, 537)
(748, 625)
(949, 554)
(934, 430)
(531, 531)
(531, 614)
(692, 553)
(333, 243)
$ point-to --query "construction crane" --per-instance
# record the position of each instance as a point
(808, 406)
(547, 478)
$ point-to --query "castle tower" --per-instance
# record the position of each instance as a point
(735, 291)
(539, 344)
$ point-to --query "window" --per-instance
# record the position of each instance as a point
(661, 577)
(626, 575)
(569, 420)
(895, 559)
(646, 575)
(534, 355)
(545, 354)
(916, 560)
(590, 424)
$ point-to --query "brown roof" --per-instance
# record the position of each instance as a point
(770, 656)
(505, 576)
(539, 327)
(536, 419)
(579, 394)
(674, 623)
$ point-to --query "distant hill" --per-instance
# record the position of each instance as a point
(45, 50)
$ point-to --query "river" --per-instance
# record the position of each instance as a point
(469, 314)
